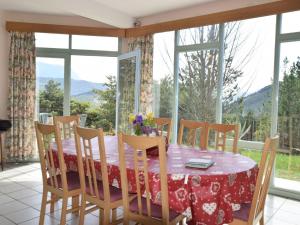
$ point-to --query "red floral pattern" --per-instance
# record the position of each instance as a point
(207, 197)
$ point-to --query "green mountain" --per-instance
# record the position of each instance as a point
(255, 101)
(80, 89)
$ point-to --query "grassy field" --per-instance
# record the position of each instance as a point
(287, 166)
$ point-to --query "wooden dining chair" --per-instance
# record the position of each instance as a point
(221, 131)
(192, 127)
(253, 213)
(56, 179)
(164, 123)
(142, 209)
(98, 193)
(66, 123)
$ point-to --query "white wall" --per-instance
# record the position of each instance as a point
(52, 19)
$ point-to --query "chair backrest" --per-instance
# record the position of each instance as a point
(65, 123)
(161, 123)
(263, 179)
(192, 127)
(86, 153)
(221, 131)
(139, 144)
(46, 136)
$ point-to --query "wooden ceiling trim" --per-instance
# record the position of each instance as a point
(64, 29)
(220, 17)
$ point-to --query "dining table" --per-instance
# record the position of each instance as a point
(206, 196)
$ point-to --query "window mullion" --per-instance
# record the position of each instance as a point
(220, 74)
(175, 88)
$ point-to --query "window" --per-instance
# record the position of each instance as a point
(287, 175)
(290, 22)
(93, 89)
(77, 81)
(50, 87)
(94, 43)
(247, 82)
(45, 40)
(199, 35)
(198, 75)
(163, 75)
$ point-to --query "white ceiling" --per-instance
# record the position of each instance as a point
(118, 13)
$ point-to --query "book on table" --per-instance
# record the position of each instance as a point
(199, 163)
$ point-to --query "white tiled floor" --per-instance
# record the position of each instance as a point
(20, 199)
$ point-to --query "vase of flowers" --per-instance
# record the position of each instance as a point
(143, 125)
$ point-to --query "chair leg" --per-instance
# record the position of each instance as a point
(75, 203)
(101, 217)
(43, 208)
(1, 152)
(64, 211)
(261, 221)
(106, 216)
(125, 219)
(82, 211)
(114, 214)
(52, 204)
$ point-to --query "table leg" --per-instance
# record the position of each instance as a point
(1, 151)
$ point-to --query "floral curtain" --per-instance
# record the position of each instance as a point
(145, 44)
(21, 103)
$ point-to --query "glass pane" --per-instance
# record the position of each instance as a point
(290, 22)
(45, 40)
(163, 66)
(49, 88)
(94, 43)
(247, 87)
(199, 35)
(287, 170)
(198, 74)
(126, 93)
(93, 90)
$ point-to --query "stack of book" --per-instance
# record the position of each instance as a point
(199, 163)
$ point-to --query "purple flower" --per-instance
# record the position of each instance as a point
(139, 119)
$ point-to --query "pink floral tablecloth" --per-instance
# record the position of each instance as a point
(207, 197)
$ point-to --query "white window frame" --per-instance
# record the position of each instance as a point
(66, 53)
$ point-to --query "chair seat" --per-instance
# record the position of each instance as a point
(243, 213)
(72, 180)
(115, 193)
(156, 210)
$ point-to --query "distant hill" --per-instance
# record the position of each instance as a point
(255, 101)
(86, 97)
(80, 89)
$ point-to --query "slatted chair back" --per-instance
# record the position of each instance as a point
(221, 131)
(139, 144)
(86, 154)
(263, 179)
(192, 127)
(66, 123)
(47, 135)
(163, 123)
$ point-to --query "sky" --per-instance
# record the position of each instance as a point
(258, 71)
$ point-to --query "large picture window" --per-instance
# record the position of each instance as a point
(76, 74)
(240, 79)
